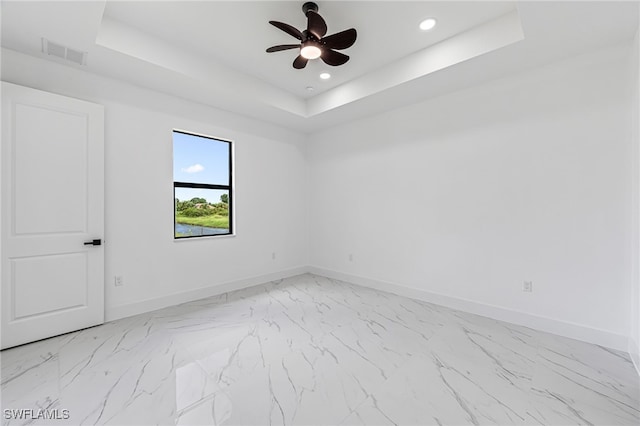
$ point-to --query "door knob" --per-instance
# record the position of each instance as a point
(93, 243)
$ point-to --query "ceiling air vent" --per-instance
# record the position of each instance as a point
(68, 54)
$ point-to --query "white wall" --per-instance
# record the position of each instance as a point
(634, 340)
(460, 199)
(270, 173)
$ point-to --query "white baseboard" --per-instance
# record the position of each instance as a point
(130, 309)
(550, 325)
(634, 353)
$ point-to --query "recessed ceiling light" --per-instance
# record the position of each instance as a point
(427, 24)
(325, 76)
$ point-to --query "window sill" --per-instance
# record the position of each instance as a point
(204, 237)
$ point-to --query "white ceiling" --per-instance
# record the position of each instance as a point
(236, 34)
(213, 52)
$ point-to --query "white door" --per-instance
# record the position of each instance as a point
(52, 203)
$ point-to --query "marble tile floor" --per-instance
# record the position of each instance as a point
(313, 351)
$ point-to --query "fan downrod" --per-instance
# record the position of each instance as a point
(309, 6)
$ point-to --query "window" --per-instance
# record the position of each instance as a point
(202, 186)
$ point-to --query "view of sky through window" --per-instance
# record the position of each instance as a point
(202, 160)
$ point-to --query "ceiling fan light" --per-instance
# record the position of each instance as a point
(310, 51)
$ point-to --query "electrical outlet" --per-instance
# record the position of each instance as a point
(118, 281)
(350, 257)
(273, 255)
(527, 286)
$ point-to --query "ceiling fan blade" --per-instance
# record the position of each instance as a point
(342, 40)
(300, 62)
(282, 47)
(316, 25)
(288, 29)
(333, 58)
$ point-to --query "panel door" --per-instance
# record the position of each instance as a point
(52, 203)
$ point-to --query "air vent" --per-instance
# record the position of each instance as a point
(68, 54)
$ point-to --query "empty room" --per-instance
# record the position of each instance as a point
(320, 213)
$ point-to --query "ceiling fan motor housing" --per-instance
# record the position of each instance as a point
(309, 6)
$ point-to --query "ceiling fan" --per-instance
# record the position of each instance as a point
(314, 44)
